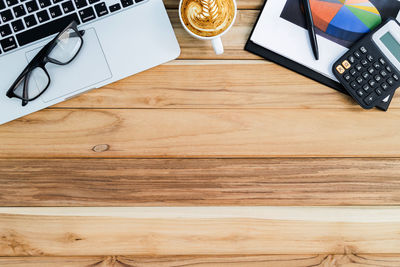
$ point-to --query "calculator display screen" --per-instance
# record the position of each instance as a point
(391, 44)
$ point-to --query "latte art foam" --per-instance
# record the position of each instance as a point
(207, 18)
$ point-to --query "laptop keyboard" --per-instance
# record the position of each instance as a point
(25, 21)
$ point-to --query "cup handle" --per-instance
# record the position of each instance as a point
(217, 45)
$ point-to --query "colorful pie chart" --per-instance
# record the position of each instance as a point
(345, 19)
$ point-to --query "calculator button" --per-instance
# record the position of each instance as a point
(382, 61)
(383, 73)
(357, 54)
(363, 49)
(346, 64)
(366, 88)
(371, 98)
(353, 72)
(354, 85)
(359, 80)
(340, 69)
(388, 68)
(377, 65)
(365, 75)
(378, 78)
(371, 70)
(370, 58)
(358, 67)
(372, 83)
(378, 91)
(347, 77)
(352, 59)
(390, 81)
(364, 62)
(360, 93)
(395, 77)
(384, 86)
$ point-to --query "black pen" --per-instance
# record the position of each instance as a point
(310, 27)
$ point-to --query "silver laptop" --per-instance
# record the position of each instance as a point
(122, 37)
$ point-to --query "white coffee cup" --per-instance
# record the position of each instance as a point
(215, 40)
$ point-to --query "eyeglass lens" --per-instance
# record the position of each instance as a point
(67, 46)
(36, 81)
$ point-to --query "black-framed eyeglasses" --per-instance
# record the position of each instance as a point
(34, 79)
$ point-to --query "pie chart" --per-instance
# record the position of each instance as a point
(345, 19)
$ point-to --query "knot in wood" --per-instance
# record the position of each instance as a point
(101, 148)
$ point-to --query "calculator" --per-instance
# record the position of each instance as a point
(369, 71)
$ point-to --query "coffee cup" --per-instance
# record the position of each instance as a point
(208, 19)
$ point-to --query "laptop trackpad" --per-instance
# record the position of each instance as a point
(84, 72)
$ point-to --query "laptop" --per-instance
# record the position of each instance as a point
(122, 37)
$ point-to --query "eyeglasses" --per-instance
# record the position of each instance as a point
(34, 79)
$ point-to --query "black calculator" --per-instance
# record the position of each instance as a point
(369, 71)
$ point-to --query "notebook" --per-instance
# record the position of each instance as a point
(280, 34)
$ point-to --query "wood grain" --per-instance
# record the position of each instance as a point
(202, 133)
(192, 182)
(208, 261)
(208, 84)
(200, 232)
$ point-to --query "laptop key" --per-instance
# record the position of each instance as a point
(126, 3)
(46, 29)
(19, 11)
(55, 11)
(12, 2)
(42, 16)
(8, 44)
(68, 7)
(32, 6)
(5, 30)
(2, 5)
(101, 9)
(30, 21)
(80, 3)
(87, 14)
(44, 3)
(6, 15)
(115, 7)
(57, 1)
(17, 25)
(93, 1)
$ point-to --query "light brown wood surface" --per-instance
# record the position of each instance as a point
(201, 231)
(232, 130)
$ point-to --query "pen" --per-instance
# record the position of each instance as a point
(310, 27)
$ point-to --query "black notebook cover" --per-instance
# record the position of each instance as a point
(294, 66)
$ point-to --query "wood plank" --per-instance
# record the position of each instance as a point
(234, 40)
(215, 182)
(241, 4)
(207, 261)
(202, 133)
(198, 231)
(215, 84)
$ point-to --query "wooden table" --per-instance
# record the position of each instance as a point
(191, 164)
